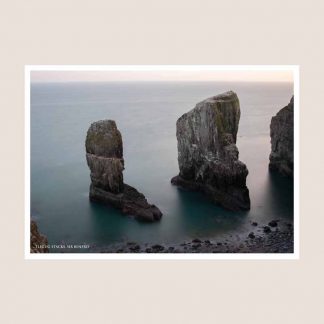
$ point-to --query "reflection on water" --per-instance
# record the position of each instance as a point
(198, 214)
(280, 191)
(146, 115)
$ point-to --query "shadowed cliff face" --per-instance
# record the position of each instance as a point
(38, 242)
(207, 152)
(282, 141)
(104, 154)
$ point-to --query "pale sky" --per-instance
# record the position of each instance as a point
(101, 76)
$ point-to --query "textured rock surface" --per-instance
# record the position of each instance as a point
(207, 152)
(282, 140)
(104, 153)
(38, 242)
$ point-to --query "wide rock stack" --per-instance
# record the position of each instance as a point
(104, 153)
(207, 152)
(282, 141)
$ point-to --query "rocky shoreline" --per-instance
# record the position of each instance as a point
(38, 241)
(274, 237)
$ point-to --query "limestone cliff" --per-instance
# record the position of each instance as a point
(38, 242)
(282, 141)
(104, 153)
(207, 152)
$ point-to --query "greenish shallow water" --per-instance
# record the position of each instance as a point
(146, 115)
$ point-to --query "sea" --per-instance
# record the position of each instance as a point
(146, 114)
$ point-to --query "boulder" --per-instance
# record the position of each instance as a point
(273, 223)
(251, 235)
(208, 155)
(104, 154)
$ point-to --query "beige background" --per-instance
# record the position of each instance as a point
(164, 32)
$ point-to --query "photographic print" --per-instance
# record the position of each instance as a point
(161, 162)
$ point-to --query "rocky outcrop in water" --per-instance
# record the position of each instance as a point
(104, 153)
(282, 141)
(207, 152)
(38, 242)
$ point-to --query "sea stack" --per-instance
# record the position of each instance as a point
(104, 153)
(208, 155)
(282, 141)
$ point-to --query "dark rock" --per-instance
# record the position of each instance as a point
(38, 242)
(196, 240)
(254, 224)
(273, 223)
(274, 242)
(282, 141)
(157, 248)
(135, 248)
(207, 152)
(207, 242)
(104, 155)
(266, 229)
(251, 235)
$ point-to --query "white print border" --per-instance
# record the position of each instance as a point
(161, 256)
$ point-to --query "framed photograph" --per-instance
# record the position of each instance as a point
(162, 162)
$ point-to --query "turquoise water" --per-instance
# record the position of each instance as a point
(146, 115)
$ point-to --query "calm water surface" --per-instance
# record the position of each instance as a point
(146, 115)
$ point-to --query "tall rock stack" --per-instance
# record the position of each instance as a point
(104, 153)
(208, 155)
(282, 141)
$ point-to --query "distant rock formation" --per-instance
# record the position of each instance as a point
(282, 141)
(104, 153)
(38, 242)
(207, 153)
